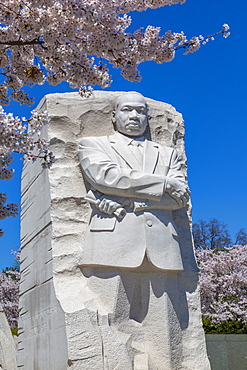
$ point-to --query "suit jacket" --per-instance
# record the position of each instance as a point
(110, 168)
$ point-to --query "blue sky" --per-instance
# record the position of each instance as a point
(208, 88)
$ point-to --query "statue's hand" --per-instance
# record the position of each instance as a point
(177, 190)
(109, 206)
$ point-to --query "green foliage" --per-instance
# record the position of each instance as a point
(14, 331)
(224, 327)
(8, 271)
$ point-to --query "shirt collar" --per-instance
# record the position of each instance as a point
(128, 140)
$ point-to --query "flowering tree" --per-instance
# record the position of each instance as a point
(59, 40)
(71, 40)
(9, 295)
(224, 283)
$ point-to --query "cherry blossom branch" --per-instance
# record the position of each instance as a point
(22, 43)
(22, 136)
(65, 35)
(194, 43)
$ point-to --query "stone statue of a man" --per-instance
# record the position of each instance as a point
(117, 277)
(131, 260)
(127, 171)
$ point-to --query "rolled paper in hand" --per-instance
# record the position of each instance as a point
(119, 213)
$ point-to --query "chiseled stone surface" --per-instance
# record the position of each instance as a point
(58, 294)
(8, 350)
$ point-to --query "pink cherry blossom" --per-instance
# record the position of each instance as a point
(69, 41)
(9, 295)
(223, 280)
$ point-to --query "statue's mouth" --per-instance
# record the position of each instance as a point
(133, 125)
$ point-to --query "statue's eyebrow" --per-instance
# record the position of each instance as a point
(134, 106)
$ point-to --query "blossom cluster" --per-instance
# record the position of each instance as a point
(55, 41)
(9, 295)
(6, 210)
(224, 283)
(21, 136)
(24, 137)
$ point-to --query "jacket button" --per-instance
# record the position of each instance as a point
(149, 223)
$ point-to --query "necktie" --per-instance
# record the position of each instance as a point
(136, 148)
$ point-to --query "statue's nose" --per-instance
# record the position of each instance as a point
(134, 113)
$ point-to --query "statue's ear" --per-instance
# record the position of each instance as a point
(114, 117)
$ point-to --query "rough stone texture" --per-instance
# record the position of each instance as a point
(8, 350)
(58, 293)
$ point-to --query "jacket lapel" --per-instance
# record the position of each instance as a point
(151, 156)
(151, 153)
(119, 145)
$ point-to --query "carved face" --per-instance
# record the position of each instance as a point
(131, 115)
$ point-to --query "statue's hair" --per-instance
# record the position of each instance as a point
(126, 93)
